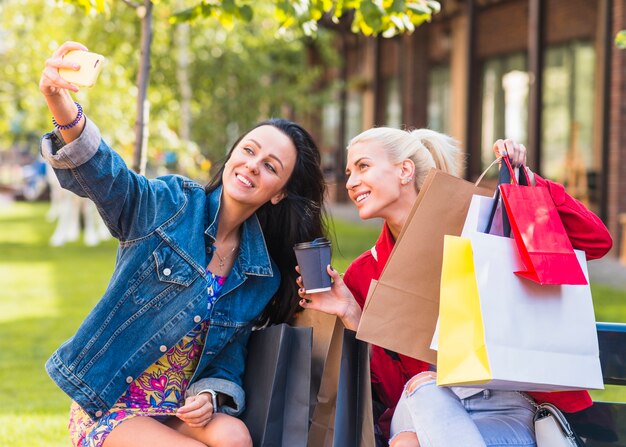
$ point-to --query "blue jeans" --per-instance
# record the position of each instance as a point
(440, 418)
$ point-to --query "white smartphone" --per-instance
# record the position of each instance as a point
(90, 67)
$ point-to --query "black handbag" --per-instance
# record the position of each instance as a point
(277, 383)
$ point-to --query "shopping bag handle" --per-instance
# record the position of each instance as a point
(512, 177)
(506, 176)
(497, 160)
(510, 170)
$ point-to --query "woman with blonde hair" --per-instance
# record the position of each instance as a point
(386, 168)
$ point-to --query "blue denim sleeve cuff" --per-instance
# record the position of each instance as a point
(224, 387)
(71, 155)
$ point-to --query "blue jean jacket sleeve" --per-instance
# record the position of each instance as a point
(130, 204)
(225, 374)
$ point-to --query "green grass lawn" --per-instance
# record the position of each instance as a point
(45, 293)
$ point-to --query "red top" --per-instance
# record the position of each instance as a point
(390, 371)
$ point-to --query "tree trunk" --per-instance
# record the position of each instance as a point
(182, 75)
(140, 154)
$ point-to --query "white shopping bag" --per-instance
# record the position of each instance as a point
(522, 335)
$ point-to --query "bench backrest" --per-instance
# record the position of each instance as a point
(604, 424)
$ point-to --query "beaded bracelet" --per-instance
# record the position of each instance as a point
(73, 123)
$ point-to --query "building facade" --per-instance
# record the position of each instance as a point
(544, 72)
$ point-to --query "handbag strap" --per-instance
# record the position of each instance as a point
(529, 400)
(546, 409)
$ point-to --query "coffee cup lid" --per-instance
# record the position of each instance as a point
(319, 242)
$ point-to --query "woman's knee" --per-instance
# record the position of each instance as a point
(405, 439)
(231, 432)
(419, 380)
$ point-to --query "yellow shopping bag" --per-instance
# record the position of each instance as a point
(462, 351)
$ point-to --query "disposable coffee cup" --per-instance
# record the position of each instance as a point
(313, 257)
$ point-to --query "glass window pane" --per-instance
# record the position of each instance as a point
(354, 115)
(439, 99)
(556, 112)
(567, 137)
(393, 107)
(505, 86)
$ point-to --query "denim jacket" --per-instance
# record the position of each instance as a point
(157, 292)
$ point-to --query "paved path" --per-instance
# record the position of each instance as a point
(607, 271)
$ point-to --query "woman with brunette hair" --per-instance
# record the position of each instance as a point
(159, 360)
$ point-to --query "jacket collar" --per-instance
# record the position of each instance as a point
(253, 255)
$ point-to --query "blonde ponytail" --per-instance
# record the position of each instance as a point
(443, 148)
(426, 148)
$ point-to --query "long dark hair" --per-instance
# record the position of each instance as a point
(299, 217)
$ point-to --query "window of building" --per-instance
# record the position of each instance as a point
(354, 115)
(567, 113)
(567, 123)
(393, 103)
(504, 103)
(331, 120)
(439, 99)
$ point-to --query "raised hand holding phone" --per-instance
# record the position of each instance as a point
(67, 114)
(90, 67)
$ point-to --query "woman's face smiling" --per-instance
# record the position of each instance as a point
(374, 183)
(259, 167)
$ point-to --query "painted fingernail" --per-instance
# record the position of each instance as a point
(331, 267)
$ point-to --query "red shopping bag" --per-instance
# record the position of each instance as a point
(543, 244)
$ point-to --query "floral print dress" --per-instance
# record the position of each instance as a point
(158, 392)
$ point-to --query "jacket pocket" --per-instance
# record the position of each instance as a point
(163, 275)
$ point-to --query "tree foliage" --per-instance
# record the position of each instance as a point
(369, 17)
(239, 71)
(29, 36)
(237, 78)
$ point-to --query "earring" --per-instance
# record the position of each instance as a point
(407, 180)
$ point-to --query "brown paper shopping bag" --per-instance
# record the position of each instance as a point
(323, 332)
(402, 308)
(323, 419)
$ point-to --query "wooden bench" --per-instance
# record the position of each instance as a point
(604, 424)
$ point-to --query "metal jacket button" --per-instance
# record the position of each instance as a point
(197, 319)
(129, 379)
(163, 348)
(167, 272)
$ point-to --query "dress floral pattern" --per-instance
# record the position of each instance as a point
(158, 392)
